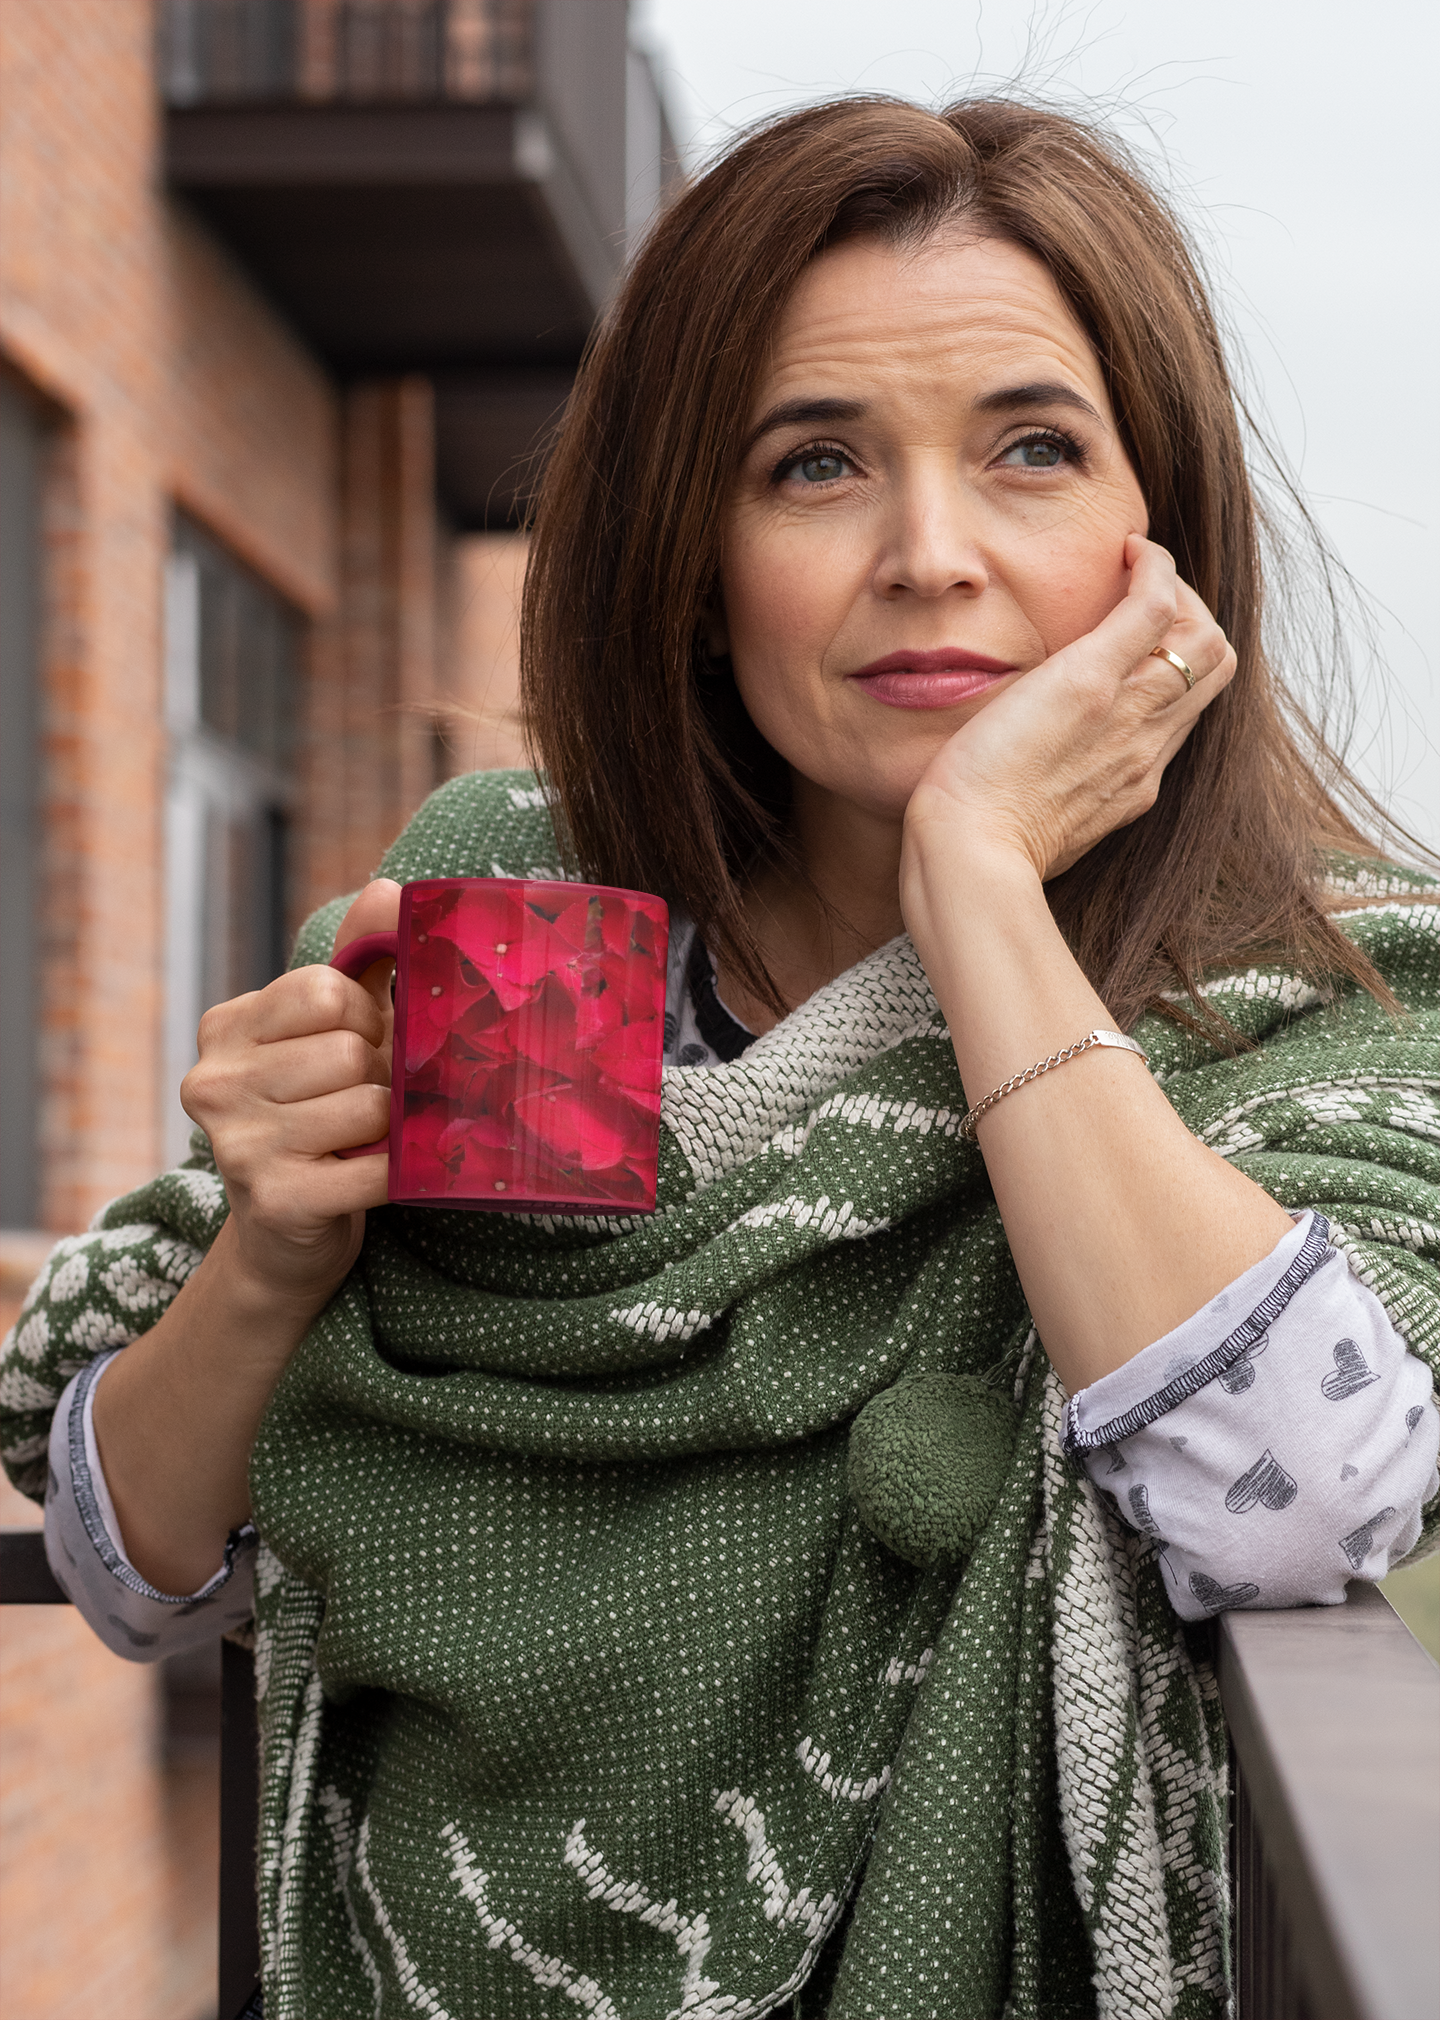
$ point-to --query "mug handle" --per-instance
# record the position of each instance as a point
(352, 960)
(358, 955)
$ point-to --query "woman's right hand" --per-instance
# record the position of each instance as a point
(287, 1076)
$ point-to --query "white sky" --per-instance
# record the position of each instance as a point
(1301, 141)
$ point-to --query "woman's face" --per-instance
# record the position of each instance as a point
(933, 499)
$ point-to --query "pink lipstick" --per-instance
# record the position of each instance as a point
(935, 679)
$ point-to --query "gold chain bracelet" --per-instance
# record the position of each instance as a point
(1116, 1038)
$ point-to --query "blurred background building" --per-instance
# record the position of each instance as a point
(290, 293)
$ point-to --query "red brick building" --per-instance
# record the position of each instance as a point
(289, 291)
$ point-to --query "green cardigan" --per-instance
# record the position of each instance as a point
(586, 1682)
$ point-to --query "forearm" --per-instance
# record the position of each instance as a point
(177, 1414)
(1121, 1224)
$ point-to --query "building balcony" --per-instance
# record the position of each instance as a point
(441, 186)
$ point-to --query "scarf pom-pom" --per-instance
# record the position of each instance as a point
(927, 1459)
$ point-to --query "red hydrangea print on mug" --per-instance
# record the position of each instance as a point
(531, 1017)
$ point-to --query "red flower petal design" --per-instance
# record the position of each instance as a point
(532, 1044)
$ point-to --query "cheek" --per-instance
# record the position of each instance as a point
(1069, 584)
(782, 611)
(786, 594)
(781, 622)
(1066, 603)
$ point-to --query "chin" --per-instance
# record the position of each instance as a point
(885, 797)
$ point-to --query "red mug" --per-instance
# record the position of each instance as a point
(529, 1029)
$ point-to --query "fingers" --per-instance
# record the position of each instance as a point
(1151, 603)
(295, 1070)
(1196, 639)
(1191, 634)
(1203, 645)
(286, 1201)
(1079, 747)
(263, 1147)
(305, 1001)
(315, 1129)
(288, 1076)
(232, 1077)
(1158, 609)
(337, 1186)
(1145, 613)
(277, 1159)
(300, 1069)
(376, 910)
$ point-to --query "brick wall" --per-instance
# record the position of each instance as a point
(480, 674)
(169, 381)
(373, 676)
(172, 380)
(416, 675)
(109, 1857)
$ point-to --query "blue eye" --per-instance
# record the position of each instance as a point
(817, 466)
(1039, 452)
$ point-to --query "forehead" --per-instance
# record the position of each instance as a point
(954, 316)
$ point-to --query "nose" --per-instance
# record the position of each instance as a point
(931, 537)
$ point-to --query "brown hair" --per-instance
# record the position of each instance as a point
(659, 778)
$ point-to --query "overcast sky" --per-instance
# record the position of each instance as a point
(1301, 141)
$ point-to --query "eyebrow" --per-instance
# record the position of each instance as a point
(1038, 393)
(805, 413)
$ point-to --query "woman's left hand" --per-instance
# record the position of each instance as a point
(1076, 747)
(1121, 1224)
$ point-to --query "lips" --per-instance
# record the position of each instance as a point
(938, 678)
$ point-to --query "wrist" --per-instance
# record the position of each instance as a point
(942, 831)
(275, 1297)
(956, 881)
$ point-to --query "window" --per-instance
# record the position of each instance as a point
(23, 445)
(231, 682)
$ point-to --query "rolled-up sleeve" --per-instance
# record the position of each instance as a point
(1278, 1444)
(87, 1554)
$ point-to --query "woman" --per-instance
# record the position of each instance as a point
(790, 1597)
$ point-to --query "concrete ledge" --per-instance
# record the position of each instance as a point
(1334, 1715)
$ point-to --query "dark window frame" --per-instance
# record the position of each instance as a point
(27, 432)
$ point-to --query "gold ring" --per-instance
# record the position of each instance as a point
(1163, 652)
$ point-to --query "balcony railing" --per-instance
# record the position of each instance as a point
(26, 1580)
(1334, 1716)
(362, 51)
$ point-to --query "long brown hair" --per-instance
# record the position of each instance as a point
(662, 783)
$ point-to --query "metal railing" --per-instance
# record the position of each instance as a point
(27, 1580)
(221, 52)
(1334, 1717)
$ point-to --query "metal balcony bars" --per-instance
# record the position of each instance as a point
(356, 51)
(27, 1580)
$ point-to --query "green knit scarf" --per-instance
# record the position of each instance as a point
(695, 1615)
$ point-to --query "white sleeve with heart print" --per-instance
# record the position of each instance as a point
(92, 1567)
(1278, 1444)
